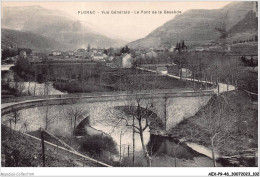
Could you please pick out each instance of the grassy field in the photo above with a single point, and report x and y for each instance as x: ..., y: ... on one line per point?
x: 245, y: 48
x: 108, y: 79
x: 248, y: 80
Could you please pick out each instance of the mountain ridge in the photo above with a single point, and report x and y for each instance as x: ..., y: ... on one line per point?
x: 195, y: 26
x: 56, y: 25
x: 30, y: 40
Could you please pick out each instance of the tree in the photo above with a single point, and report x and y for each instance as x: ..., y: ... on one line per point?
x: 47, y: 77
x: 140, y: 121
x: 106, y: 52
x: 27, y: 50
x: 97, y: 144
x: 8, y: 53
x: 15, y: 117
x: 89, y: 48
x: 48, y: 119
x: 35, y: 81
x: 22, y: 66
x: 125, y: 50
x: 180, y: 46
x: 216, y: 126
x: 183, y: 46
x: 19, y: 87
x: 137, y: 113
x: 28, y: 90
x: 25, y: 126
x: 75, y: 115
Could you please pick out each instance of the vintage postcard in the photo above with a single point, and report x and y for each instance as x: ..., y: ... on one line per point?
x: 129, y: 84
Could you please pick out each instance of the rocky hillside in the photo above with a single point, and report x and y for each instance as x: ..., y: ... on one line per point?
x: 20, y: 151
x: 245, y: 29
x: 57, y: 25
x: 237, y: 113
x: 196, y: 26
x: 28, y: 40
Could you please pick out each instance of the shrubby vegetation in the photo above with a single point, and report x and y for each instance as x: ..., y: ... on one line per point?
x: 227, y: 124
x: 97, y: 144
x: 20, y: 151
x: 13, y: 52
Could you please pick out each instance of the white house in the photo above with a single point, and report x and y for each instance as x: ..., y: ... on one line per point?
x: 110, y: 58
x: 162, y: 70
x: 127, y: 61
x: 199, y: 49
x: 151, y: 54
x: 172, y: 49
x: 56, y: 53
x: 97, y: 57
x: 71, y: 53
x: 185, y: 72
x: 105, y: 56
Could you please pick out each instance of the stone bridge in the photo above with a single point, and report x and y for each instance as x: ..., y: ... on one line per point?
x: 170, y: 106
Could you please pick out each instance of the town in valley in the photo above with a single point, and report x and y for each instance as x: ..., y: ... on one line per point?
x: 184, y: 95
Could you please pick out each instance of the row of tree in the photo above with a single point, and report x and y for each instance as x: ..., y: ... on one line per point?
x: 180, y: 46
x: 248, y: 40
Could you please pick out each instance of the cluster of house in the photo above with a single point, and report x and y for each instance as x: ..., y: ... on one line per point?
x: 183, y: 72
x: 149, y: 53
x: 95, y: 55
x: 87, y: 54
x: 124, y: 61
x: 166, y: 68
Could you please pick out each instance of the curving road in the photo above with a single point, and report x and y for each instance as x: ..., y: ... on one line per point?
x: 222, y: 87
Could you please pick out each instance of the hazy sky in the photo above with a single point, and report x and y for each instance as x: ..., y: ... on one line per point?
x: 126, y: 26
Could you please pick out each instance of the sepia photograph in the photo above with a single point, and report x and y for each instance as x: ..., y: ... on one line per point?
x: 129, y: 84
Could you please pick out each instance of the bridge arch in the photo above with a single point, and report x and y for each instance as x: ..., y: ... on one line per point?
x: 170, y: 107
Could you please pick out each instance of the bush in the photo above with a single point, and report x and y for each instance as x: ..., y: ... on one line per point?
x: 97, y: 144
x: 8, y: 53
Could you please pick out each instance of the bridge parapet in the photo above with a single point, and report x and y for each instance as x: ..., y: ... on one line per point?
x: 167, y: 92
x: 171, y: 107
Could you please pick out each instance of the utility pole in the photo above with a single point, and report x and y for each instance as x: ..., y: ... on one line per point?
x: 165, y: 110
x: 193, y: 80
x: 35, y: 80
x: 120, y: 148
x: 43, y: 149
x: 128, y: 151
x: 10, y: 121
x: 133, y: 142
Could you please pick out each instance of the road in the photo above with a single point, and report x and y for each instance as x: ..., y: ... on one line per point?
x: 6, y: 67
x: 222, y: 87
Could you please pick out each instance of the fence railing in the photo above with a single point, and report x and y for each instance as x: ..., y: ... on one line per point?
x: 73, y: 155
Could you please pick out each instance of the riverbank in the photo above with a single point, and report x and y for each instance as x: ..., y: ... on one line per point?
x: 100, y: 78
x: 13, y: 85
x: 239, y: 115
x: 169, y: 152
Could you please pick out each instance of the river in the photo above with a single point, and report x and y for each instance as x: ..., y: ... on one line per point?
x: 6, y: 67
x: 103, y: 117
x: 166, y: 152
